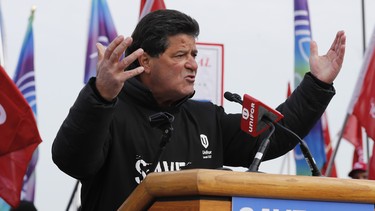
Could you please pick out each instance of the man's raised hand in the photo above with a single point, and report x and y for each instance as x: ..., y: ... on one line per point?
x: 110, y: 74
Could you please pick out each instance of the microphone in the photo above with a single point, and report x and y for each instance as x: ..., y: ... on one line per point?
x: 258, y: 117
x: 233, y: 97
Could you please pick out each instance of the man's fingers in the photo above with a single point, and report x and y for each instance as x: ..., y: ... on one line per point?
x: 341, y: 50
x: 120, y: 49
x: 337, y: 49
x: 112, y: 46
x: 313, y: 48
x: 101, y: 49
x: 339, y: 40
x: 341, y: 46
x: 130, y: 58
x: 335, y: 42
x: 131, y: 73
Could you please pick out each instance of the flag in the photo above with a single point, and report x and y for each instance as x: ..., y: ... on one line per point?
x: 362, y: 106
x: 19, y: 138
x: 315, y: 139
x: 24, y: 79
x: 363, y: 100
x: 102, y: 29
x: 148, y: 6
x: 353, y: 131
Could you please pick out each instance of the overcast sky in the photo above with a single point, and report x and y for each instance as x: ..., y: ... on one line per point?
x: 258, y: 44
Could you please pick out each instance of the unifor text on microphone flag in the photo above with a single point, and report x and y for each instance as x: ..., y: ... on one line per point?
x: 314, y: 139
x: 102, y: 30
x: 148, y: 6
x: 19, y: 138
x: 24, y: 78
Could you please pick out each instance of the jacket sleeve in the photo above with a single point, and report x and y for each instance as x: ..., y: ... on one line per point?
x: 301, y: 111
x: 82, y: 141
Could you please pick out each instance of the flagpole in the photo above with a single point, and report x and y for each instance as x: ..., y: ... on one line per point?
x: 363, y: 26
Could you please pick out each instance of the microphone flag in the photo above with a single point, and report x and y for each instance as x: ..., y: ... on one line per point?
x: 253, y: 112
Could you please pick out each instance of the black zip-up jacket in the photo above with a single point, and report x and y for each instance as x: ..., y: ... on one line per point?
x: 109, y: 146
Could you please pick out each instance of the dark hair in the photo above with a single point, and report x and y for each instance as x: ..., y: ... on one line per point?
x: 153, y: 30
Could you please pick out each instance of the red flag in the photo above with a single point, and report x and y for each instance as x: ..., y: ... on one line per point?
x: 353, y: 131
x: 19, y: 138
x: 362, y: 107
x: 363, y: 100
x: 148, y: 6
x: 327, y: 147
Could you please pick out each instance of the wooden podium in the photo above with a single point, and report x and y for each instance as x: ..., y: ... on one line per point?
x: 203, y: 189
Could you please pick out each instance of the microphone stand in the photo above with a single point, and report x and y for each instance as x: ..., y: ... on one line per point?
x: 306, y: 153
x: 162, y: 121
x: 262, y: 149
x: 309, y: 158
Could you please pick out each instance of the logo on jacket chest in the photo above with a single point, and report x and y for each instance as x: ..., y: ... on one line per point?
x: 206, y: 154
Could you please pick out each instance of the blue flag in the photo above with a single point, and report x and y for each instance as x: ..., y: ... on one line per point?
x: 315, y: 139
x: 101, y: 30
